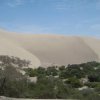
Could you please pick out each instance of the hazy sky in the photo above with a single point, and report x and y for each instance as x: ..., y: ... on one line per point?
x: 75, y: 17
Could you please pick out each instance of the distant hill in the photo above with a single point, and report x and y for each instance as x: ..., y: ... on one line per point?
x: 46, y: 49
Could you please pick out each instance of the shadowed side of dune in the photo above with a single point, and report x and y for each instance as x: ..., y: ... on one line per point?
x: 60, y: 50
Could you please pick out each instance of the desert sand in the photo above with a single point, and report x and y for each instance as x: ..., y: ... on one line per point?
x: 7, y: 98
x: 46, y: 49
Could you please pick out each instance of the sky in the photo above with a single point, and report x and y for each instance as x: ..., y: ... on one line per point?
x: 68, y: 17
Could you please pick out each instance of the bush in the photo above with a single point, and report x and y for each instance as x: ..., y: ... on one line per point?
x: 31, y: 72
x: 74, y: 82
x: 51, y: 71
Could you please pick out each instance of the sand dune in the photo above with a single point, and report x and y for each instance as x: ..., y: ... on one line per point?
x: 45, y: 49
x: 12, y: 48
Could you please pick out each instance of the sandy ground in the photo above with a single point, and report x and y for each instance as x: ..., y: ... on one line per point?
x: 45, y: 49
x: 6, y: 98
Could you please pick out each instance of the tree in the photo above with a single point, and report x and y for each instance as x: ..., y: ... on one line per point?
x: 74, y: 82
x: 13, y: 83
x: 51, y: 71
x: 44, y: 88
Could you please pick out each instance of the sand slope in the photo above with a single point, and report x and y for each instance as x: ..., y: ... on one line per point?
x: 50, y: 49
x: 11, y: 48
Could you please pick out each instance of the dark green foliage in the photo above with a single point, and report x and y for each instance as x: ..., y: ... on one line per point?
x: 12, y: 82
x: 51, y: 71
x: 94, y: 77
x: 41, y: 71
x: 52, y: 82
x: 62, y: 68
x: 63, y: 90
x: 93, y: 84
x: 89, y: 94
x: 30, y: 72
x: 74, y: 82
x: 44, y: 88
